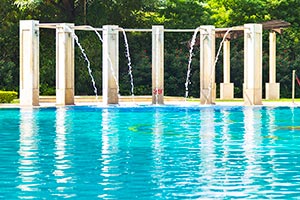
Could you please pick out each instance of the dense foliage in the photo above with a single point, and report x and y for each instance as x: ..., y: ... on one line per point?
x: 7, y: 96
x: 143, y: 14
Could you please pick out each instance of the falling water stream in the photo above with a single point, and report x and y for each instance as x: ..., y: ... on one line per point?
x: 87, y: 61
x: 109, y: 60
x: 190, y: 61
x: 215, y: 63
x: 127, y: 54
x: 187, y: 82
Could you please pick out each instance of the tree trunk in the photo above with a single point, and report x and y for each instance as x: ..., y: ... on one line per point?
x: 69, y: 9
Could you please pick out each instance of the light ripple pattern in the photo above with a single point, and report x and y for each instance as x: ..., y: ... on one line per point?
x: 150, y: 152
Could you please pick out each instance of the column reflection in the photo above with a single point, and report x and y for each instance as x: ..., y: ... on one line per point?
x: 157, y: 149
x: 271, y: 137
x: 226, y: 142
x: 207, y: 150
x: 109, y: 155
x: 105, y: 131
x: 225, y: 134
x: 62, y: 159
x: 28, y: 154
x: 252, y: 140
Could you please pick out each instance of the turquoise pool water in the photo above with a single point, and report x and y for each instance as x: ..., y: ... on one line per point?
x: 149, y: 152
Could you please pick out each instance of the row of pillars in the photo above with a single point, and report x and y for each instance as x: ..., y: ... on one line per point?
x: 252, y: 50
x: 29, y: 65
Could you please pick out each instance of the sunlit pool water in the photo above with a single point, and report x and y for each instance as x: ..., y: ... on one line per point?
x: 148, y: 152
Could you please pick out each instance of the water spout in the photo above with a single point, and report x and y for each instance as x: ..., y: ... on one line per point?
x: 87, y: 61
x: 109, y: 59
x: 187, y: 82
x: 215, y: 63
x: 127, y: 54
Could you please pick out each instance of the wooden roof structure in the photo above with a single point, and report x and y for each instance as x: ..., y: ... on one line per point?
x: 273, y: 25
x: 276, y: 25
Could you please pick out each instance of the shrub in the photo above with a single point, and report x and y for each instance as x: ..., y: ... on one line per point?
x: 7, y: 96
x: 45, y: 89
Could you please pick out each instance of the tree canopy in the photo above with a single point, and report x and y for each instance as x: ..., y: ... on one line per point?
x: 143, y: 14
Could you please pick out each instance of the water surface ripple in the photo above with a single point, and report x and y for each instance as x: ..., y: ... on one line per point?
x: 159, y: 152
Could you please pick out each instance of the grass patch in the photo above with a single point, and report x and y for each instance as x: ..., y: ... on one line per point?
x: 282, y: 100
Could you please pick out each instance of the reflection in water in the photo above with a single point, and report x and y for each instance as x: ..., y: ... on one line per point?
x: 109, y: 150
x: 105, y: 151
x: 252, y: 140
x: 225, y: 134
x: 157, y: 149
x: 105, y: 132
x: 62, y: 162
x: 207, y: 149
x: 158, y: 153
x: 271, y: 123
x: 292, y: 114
x: 28, y: 152
x: 225, y: 138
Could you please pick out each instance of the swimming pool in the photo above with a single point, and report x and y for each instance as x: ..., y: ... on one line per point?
x: 148, y: 152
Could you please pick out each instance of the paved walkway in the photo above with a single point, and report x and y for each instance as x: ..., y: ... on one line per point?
x: 49, y: 101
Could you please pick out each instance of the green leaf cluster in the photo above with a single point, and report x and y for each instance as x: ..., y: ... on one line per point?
x: 7, y: 96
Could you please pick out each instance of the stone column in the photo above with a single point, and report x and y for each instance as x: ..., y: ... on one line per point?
x: 272, y: 88
x: 29, y: 63
x: 110, y: 67
x: 64, y: 64
x: 157, y: 65
x: 207, y: 68
x: 253, y: 64
x: 226, y: 88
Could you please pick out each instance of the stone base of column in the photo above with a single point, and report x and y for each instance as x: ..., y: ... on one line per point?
x: 112, y: 96
x: 272, y: 91
x: 65, y: 97
x: 29, y: 100
x: 158, y: 96
x: 36, y: 97
x: 208, y: 96
x: 158, y: 100
x: 252, y: 97
x: 226, y: 91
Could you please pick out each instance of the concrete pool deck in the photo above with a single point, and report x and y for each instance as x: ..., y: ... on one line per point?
x: 50, y: 101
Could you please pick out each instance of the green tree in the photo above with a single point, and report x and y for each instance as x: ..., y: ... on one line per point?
x: 238, y: 12
x: 9, y: 55
x: 143, y: 14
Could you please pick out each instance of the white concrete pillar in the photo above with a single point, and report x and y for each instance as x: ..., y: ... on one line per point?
x: 110, y: 66
x: 226, y: 88
x: 157, y: 65
x: 272, y: 88
x: 29, y: 63
x: 253, y: 64
x: 64, y: 64
x: 207, y: 59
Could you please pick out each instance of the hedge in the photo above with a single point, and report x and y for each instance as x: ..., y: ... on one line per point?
x: 7, y: 96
